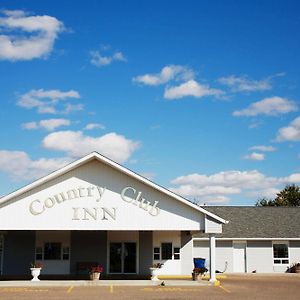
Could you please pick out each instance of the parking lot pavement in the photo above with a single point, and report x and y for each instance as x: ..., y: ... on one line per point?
x: 232, y: 287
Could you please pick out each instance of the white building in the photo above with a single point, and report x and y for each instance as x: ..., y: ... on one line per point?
x: 94, y: 211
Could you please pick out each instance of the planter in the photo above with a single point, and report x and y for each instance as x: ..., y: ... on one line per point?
x: 95, y: 276
x: 154, y: 273
x: 35, y: 272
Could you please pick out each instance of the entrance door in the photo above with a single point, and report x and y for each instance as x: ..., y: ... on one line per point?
x: 239, y: 257
x: 122, y: 257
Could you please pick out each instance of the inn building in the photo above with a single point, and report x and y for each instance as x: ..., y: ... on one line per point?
x: 95, y: 211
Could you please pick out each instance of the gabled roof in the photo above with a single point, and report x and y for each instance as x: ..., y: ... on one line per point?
x: 111, y: 163
x: 258, y: 222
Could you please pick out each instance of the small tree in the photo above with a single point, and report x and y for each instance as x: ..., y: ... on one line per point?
x: 289, y: 196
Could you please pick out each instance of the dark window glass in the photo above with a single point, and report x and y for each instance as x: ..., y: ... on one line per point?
x: 280, y: 251
x: 156, y: 250
x: 166, y: 251
x: 176, y: 253
x: 277, y: 261
x: 156, y: 256
x: 52, y: 251
x: 285, y: 261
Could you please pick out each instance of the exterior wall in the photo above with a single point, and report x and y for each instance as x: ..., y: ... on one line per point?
x: 224, y: 253
x: 88, y: 246
x: 294, y: 252
x: 18, y: 252
x: 145, y: 252
x: 211, y: 226
x: 171, y: 266
x: 54, y: 266
x: 51, y: 207
x: 259, y: 256
x: 186, y: 253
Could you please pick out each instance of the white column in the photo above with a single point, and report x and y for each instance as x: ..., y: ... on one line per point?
x: 212, y: 257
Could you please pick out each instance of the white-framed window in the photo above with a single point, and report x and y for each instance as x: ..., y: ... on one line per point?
x: 280, y: 253
x: 52, y: 251
x: 156, y: 253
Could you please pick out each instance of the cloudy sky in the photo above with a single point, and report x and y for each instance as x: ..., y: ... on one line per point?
x: 201, y: 97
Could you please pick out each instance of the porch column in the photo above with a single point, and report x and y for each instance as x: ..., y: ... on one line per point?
x: 212, y: 257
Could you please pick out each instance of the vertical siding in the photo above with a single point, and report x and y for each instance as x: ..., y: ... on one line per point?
x: 88, y: 246
x: 294, y: 251
x: 201, y: 249
x: 19, y: 251
x: 259, y: 256
x: 186, y: 253
x: 145, y: 252
x: 224, y: 256
x: 211, y: 226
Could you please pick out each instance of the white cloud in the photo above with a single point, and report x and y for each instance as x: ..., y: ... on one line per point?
x: 100, y: 60
x: 190, y: 88
x: 290, y: 133
x: 50, y: 124
x: 50, y: 101
x: 167, y: 73
x: 76, y: 144
x: 255, y: 156
x: 243, y: 83
x: 92, y: 126
x: 27, y: 37
x: 269, y: 106
x: 263, y: 148
x: 21, y: 167
x: 223, y: 184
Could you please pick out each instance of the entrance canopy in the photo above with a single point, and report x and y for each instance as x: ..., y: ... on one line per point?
x: 95, y: 193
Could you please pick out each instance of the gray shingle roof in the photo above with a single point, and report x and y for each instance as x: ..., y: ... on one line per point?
x: 258, y: 222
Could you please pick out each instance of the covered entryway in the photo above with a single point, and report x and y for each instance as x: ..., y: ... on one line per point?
x: 96, y: 211
x: 122, y: 258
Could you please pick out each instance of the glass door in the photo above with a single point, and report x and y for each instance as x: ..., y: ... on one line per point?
x: 129, y: 257
x: 115, y: 258
x: 122, y: 258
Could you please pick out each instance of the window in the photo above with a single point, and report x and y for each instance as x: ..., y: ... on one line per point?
x: 66, y: 253
x: 176, y: 253
x: 52, y: 251
x: 166, y: 251
x: 281, y: 253
x: 156, y: 253
x: 38, y: 253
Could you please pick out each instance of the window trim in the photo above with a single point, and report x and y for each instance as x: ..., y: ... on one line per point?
x: 281, y: 258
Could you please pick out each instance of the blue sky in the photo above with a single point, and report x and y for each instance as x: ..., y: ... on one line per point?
x: 201, y: 97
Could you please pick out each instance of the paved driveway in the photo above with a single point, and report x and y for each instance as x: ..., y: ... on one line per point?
x: 233, y: 287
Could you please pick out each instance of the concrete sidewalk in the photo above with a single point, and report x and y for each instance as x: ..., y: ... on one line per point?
x: 58, y: 283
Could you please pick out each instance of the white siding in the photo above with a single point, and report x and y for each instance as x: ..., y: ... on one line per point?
x: 223, y: 254
x: 259, y: 256
x: 173, y: 215
x: 294, y: 252
x: 212, y: 226
x: 54, y: 266
x: 170, y: 267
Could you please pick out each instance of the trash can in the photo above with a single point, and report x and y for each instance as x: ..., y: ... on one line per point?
x: 199, y: 262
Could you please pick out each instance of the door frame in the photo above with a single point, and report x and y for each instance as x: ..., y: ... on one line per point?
x: 244, y: 243
x: 122, y: 242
